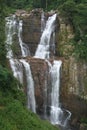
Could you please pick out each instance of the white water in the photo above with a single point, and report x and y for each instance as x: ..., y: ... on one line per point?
x: 56, y: 111
x: 43, y: 50
x: 17, y: 69
x: 53, y: 45
x: 24, y: 48
x: 11, y: 29
x: 48, y: 41
x: 30, y: 86
x: 47, y: 44
x: 14, y: 27
x: 43, y: 24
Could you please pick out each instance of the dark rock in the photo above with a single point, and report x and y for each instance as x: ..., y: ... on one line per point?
x: 40, y: 72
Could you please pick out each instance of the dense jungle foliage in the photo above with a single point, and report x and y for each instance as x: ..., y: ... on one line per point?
x: 13, y: 112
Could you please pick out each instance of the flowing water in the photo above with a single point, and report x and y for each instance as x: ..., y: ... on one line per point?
x: 56, y: 111
x: 42, y: 21
x: 30, y: 86
x: 45, y: 50
x: 24, y: 48
x: 14, y: 27
x: 11, y: 29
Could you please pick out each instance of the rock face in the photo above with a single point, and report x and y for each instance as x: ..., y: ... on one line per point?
x: 74, y: 87
x: 32, y: 30
x: 74, y: 75
x: 40, y: 73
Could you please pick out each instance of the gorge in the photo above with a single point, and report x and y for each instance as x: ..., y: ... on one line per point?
x: 38, y: 67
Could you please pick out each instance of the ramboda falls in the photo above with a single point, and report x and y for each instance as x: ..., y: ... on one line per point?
x: 33, y: 43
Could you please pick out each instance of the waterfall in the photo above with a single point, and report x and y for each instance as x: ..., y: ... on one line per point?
x: 30, y: 86
x: 42, y: 21
x: 56, y: 111
x: 24, y: 48
x: 11, y: 29
x: 48, y: 41
x: 17, y: 69
x: 43, y: 50
x: 15, y: 27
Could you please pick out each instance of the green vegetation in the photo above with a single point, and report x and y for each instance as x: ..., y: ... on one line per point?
x: 2, y: 34
x: 76, y: 13
x: 84, y: 123
x: 16, y: 117
x: 13, y: 112
x: 9, y: 88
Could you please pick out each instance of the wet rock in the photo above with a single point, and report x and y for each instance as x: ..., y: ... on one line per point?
x: 40, y: 73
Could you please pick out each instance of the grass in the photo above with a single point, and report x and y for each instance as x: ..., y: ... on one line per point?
x: 16, y: 117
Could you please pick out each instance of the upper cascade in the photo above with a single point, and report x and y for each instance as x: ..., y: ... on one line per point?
x: 11, y: 26
x: 11, y: 29
x: 43, y: 49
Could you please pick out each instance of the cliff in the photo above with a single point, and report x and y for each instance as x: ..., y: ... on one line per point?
x: 74, y: 75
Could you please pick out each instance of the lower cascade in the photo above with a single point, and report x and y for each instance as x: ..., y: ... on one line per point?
x: 30, y: 86
x: 56, y: 115
x: 56, y: 112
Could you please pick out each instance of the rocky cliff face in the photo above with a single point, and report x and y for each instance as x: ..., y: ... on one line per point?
x: 32, y: 30
x: 74, y: 86
x: 74, y: 75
